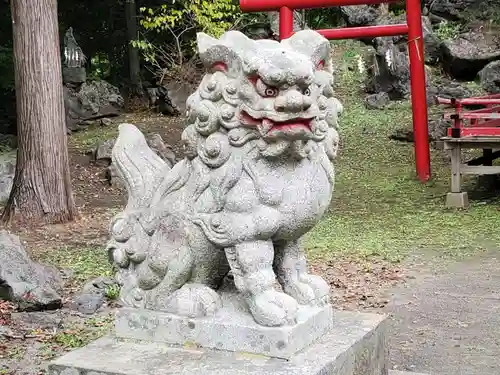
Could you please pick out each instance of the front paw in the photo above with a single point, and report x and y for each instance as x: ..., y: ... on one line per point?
x: 309, y: 290
x: 272, y: 308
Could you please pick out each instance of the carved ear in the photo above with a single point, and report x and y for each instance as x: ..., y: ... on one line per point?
x: 216, y: 56
x: 311, y: 44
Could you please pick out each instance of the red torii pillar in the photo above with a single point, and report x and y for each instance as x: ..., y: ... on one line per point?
x: 412, y: 27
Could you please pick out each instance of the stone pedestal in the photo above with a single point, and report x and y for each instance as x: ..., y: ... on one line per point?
x: 232, y: 328
x: 355, y: 345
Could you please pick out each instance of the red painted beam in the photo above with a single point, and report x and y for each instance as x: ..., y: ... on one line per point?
x: 270, y: 5
x: 469, y: 101
x: 364, y: 32
x: 477, y: 132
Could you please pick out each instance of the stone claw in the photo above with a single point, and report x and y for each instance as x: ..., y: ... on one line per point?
x: 272, y: 308
x: 309, y: 290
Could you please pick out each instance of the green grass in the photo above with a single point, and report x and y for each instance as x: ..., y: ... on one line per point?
x: 84, y: 262
x: 379, y: 208
x: 92, y: 136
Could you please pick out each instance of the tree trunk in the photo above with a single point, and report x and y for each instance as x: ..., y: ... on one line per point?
x: 133, y: 52
x: 42, y: 183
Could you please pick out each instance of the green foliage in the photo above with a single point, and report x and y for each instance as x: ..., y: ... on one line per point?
x: 448, y: 30
x: 212, y: 17
x: 112, y: 292
x: 326, y: 18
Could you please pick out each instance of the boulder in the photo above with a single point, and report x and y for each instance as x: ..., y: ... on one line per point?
x: 377, y: 101
x: 445, y: 88
x: 100, y: 97
x: 93, y: 295
x: 7, y: 171
x: 389, y: 70
x: 464, y: 57
x: 91, y: 101
x: 32, y: 286
x: 489, y: 77
x: 160, y: 101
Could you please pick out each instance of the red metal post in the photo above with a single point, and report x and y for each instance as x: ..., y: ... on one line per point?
x: 418, y: 95
x: 286, y: 22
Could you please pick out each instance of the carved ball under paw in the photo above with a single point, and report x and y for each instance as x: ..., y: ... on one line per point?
x: 193, y: 301
x: 272, y: 308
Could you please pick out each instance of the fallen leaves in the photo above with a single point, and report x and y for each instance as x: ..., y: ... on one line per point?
x: 359, y: 285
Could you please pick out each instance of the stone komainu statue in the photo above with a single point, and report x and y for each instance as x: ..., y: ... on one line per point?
x: 257, y: 176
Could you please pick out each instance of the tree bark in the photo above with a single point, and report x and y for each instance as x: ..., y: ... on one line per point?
x: 42, y: 182
x: 133, y: 52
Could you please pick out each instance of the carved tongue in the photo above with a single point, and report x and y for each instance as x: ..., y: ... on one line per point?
x: 266, y: 125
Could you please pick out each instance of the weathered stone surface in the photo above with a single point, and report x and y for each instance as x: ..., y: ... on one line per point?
x: 355, y: 346
x: 93, y: 295
x: 389, y: 69
x: 466, y: 55
x: 256, y: 177
x: 231, y: 328
x: 100, y: 97
x: 489, y: 77
x: 159, y: 100
x: 31, y: 285
x: 74, y: 75
x: 377, y: 101
x: 7, y: 171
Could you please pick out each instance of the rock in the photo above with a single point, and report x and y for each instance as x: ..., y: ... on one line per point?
x: 100, y: 97
x: 489, y: 77
x: 31, y: 285
x: 360, y: 15
x: 37, y: 319
x: 447, y: 89
x: 93, y: 295
x: 103, y: 150
x: 159, y: 100
x: 438, y: 128
x: 74, y: 74
x: 7, y: 171
x: 465, y: 56
x: 377, y: 101
x: 389, y: 69
x: 105, y: 122
x: 87, y: 303
x: 99, y: 285
x: 452, y: 10
x: 299, y: 22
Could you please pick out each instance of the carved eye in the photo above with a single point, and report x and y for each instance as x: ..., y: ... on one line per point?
x: 307, y: 92
x: 265, y: 90
x: 271, y: 92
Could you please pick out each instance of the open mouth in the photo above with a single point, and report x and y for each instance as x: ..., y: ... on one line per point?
x: 267, y: 126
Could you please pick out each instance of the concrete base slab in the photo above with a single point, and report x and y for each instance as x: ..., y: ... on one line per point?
x: 356, y: 345
x: 232, y: 328
x: 457, y: 200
